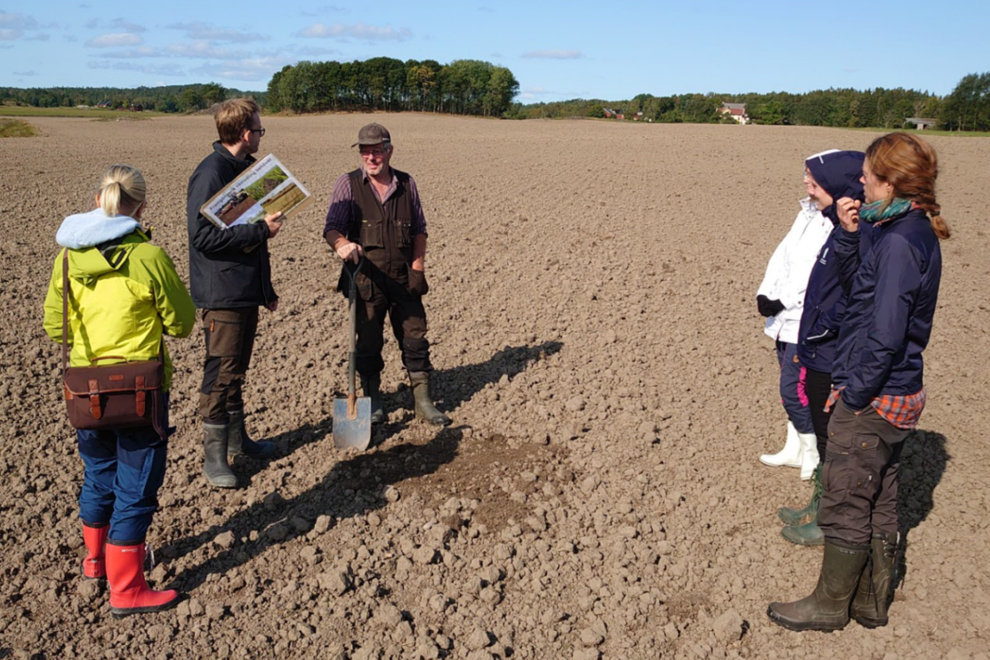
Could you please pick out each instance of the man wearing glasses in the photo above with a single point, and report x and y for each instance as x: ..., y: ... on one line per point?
x: 375, y: 215
x: 229, y: 278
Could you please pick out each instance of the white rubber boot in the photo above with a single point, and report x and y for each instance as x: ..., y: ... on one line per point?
x: 809, y: 454
x: 790, y: 455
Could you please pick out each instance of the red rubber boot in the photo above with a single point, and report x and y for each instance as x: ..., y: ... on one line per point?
x: 129, y: 593
x: 94, y: 565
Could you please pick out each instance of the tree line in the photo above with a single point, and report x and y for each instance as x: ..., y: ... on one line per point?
x: 172, y: 98
x: 967, y: 108
x: 469, y: 87
x: 479, y: 88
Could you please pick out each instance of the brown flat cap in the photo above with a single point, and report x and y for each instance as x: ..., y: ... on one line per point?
x: 373, y: 134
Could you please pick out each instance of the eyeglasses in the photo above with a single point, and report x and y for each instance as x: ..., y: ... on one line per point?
x: 373, y: 153
x: 259, y: 131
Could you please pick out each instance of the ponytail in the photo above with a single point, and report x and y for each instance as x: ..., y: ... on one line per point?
x: 122, y: 190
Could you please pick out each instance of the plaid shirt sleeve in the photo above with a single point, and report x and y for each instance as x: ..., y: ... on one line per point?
x: 901, y: 410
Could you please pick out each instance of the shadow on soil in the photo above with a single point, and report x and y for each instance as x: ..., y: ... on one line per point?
x: 923, y: 462
x: 354, y: 486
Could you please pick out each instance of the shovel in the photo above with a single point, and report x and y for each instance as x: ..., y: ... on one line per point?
x: 352, y: 416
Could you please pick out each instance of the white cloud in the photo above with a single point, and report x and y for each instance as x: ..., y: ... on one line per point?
x: 12, y: 26
x: 127, y: 65
x: 126, y: 26
x: 258, y: 69
x: 206, y: 50
x: 201, y: 31
x: 553, y: 54
x: 140, y: 51
x: 17, y: 21
x: 114, y: 40
x: 357, y: 31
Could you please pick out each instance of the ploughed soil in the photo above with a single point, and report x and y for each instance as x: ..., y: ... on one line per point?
x: 596, y: 341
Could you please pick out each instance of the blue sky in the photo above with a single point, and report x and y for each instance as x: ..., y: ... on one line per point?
x: 557, y: 50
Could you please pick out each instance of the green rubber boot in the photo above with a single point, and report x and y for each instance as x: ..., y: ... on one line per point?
x: 873, y: 596
x: 425, y: 409
x: 215, y: 466
x: 371, y: 386
x: 807, y: 534
x: 827, y: 608
x: 239, y: 442
x: 790, y: 516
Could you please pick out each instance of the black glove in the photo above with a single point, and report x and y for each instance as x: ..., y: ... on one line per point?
x: 417, y: 282
x: 768, y: 307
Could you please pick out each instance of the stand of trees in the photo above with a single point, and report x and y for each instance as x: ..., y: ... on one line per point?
x: 173, y: 98
x: 967, y: 108
x: 470, y: 87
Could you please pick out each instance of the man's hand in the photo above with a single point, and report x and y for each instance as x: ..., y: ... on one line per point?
x: 848, y: 211
x: 272, y: 306
x: 274, y: 222
x: 350, y: 252
x: 417, y: 282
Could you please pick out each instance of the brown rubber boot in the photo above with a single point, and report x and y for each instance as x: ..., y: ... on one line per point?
x: 827, y: 608
x: 873, y: 596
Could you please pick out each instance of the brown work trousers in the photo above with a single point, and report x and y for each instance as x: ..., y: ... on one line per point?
x: 229, y: 335
x: 860, y: 476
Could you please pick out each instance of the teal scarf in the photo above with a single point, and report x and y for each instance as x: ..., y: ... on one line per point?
x: 883, y: 209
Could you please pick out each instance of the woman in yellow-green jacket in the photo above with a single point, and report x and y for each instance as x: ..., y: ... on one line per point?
x: 124, y: 294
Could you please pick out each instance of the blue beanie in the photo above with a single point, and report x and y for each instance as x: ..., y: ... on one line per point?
x: 838, y: 172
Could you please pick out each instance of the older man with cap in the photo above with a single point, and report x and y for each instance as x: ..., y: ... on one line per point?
x: 375, y: 215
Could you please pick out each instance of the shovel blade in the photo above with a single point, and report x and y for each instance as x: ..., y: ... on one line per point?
x: 352, y: 430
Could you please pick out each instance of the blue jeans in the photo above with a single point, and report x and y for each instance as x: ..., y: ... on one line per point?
x: 124, y: 468
x: 792, y: 392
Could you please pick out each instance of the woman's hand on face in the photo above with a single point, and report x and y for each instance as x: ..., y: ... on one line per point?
x: 848, y: 211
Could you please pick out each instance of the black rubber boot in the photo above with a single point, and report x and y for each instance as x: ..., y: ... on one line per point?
x: 239, y: 442
x: 873, y: 596
x: 371, y: 387
x: 423, y: 403
x: 215, y: 467
x: 790, y: 516
x: 827, y: 608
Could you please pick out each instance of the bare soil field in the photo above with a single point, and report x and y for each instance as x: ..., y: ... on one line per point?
x: 594, y: 327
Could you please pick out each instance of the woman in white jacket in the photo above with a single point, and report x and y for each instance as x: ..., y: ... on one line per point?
x: 780, y: 298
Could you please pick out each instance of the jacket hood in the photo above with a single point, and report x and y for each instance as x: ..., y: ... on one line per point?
x: 838, y: 172
x: 84, y: 230
x: 88, y: 264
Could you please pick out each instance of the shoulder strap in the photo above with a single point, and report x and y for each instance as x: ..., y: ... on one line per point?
x: 65, y: 309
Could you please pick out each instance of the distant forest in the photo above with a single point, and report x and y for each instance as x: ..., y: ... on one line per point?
x: 967, y: 108
x: 474, y: 87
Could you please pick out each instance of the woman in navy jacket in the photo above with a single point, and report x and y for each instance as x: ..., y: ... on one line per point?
x: 878, y: 377
x: 833, y: 175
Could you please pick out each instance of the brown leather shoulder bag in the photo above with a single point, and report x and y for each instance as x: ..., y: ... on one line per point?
x: 115, y: 396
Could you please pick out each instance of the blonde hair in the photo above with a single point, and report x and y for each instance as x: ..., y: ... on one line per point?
x: 233, y: 117
x: 910, y: 165
x: 122, y: 190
